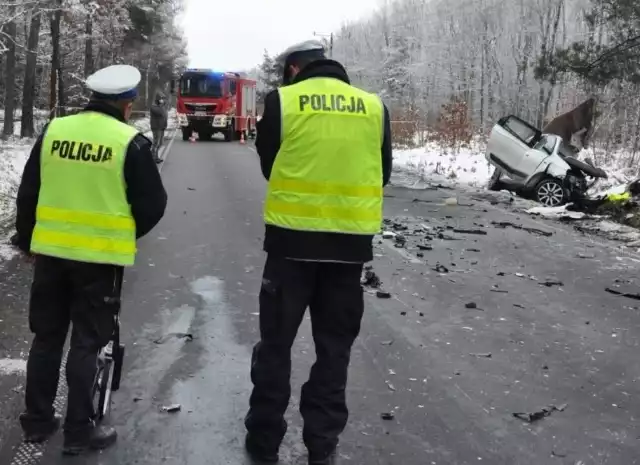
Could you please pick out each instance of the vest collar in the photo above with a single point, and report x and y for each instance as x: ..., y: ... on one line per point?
x: 323, y: 68
x: 106, y: 109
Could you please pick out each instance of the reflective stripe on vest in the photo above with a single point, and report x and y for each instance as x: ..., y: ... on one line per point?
x: 83, y: 213
x: 327, y: 176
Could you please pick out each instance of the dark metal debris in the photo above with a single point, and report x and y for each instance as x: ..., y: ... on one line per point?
x: 471, y: 305
x: 518, y: 305
x: 371, y: 279
x: 624, y: 288
x: 487, y: 355
x: 479, y: 232
x: 383, y: 295
x: 551, y: 283
x: 540, y: 414
x: 425, y: 247
x: 186, y: 336
x: 441, y: 268
x: 507, y: 224
x: 387, y: 416
x: 172, y: 408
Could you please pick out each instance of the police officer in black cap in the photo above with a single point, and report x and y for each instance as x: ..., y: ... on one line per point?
x: 325, y: 148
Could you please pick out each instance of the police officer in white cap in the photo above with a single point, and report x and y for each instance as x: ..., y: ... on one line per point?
x: 89, y: 189
x: 325, y: 148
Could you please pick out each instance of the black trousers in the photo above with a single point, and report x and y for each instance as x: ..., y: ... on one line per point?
x: 333, y: 294
x: 63, y: 292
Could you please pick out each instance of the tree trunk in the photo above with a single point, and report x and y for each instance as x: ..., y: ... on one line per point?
x: 88, y: 46
x: 28, y: 91
x: 10, y: 30
x: 56, y: 79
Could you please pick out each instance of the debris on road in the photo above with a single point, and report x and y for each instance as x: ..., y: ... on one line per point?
x: 624, y: 288
x: 441, y: 268
x: 551, y: 283
x: 387, y: 416
x: 471, y: 305
x: 388, y: 235
x: 518, y: 305
x: 387, y: 343
x: 383, y: 295
x: 400, y: 241
x: 501, y: 291
x: 172, y: 408
x: 186, y: 336
x: 391, y: 386
x: 371, y: 279
x: 478, y: 232
x: 540, y: 414
x: 482, y: 355
x: 586, y: 255
x: 425, y: 247
x: 509, y: 224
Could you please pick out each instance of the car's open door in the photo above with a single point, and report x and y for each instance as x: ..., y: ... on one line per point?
x: 510, y: 140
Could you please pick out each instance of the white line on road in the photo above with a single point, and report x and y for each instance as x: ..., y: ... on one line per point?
x: 167, y: 150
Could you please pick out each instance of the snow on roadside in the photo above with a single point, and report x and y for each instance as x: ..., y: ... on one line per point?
x: 466, y: 166
x: 13, y: 156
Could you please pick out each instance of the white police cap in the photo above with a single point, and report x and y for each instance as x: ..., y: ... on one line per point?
x: 116, y: 82
x: 306, y: 46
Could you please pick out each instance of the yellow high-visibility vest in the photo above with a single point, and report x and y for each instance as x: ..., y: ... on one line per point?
x: 83, y: 213
x: 327, y: 175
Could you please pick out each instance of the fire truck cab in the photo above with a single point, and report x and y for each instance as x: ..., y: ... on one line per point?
x: 210, y: 102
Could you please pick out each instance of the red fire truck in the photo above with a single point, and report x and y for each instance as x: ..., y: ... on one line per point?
x: 210, y: 102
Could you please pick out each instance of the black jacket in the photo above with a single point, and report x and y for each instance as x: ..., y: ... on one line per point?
x: 313, y: 245
x: 145, y: 192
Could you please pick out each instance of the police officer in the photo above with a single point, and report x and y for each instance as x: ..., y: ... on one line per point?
x: 89, y: 189
x: 325, y: 148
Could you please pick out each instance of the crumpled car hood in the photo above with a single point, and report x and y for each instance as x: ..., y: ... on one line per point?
x: 585, y: 168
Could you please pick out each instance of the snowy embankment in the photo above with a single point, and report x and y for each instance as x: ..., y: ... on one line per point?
x: 468, y: 167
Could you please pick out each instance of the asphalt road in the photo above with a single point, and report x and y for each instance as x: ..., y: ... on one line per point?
x: 451, y: 376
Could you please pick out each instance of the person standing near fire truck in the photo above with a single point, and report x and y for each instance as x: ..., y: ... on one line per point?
x: 89, y: 189
x: 325, y: 148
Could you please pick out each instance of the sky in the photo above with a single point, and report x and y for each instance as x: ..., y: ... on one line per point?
x: 232, y: 35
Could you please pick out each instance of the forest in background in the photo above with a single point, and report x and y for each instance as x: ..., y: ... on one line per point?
x: 48, y: 48
x: 452, y: 68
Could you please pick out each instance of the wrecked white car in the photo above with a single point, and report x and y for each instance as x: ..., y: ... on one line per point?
x: 537, y: 165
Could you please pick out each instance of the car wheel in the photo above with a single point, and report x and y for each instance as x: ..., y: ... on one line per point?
x: 551, y: 193
x: 494, y: 180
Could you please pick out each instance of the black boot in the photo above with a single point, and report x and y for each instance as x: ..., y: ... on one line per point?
x: 259, y: 455
x: 37, y: 431
x: 331, y: 459
x: 97, y: 438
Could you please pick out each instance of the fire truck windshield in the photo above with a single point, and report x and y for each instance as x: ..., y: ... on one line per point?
x: 200, y: 85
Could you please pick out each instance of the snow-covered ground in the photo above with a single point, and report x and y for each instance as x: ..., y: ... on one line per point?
x: 466, y: 166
